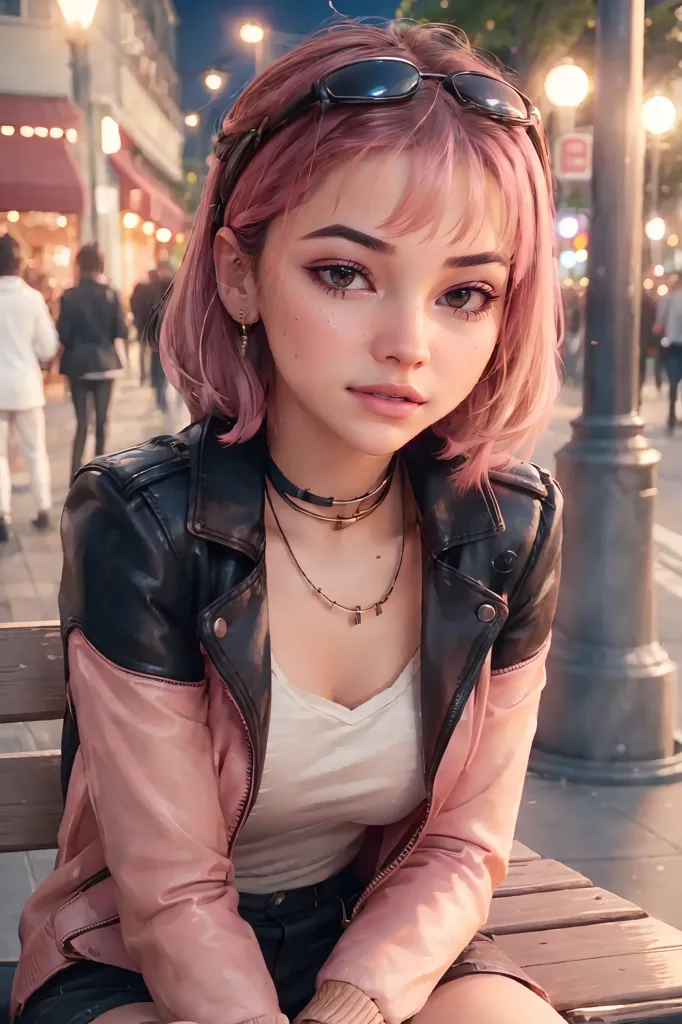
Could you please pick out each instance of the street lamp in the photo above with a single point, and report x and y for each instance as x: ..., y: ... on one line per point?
x: 214, y: 81
x: 655, y: 229
x: 78, y: 16
x: 253, y: 34
x: 192, y: 120
x: 567, y: 85
x: 608, y: 712
x: 658, y: 117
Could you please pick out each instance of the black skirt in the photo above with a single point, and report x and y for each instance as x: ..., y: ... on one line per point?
x: 296, y: 930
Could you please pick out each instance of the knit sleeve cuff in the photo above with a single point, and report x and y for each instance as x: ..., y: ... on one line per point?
x: 337, y: 1002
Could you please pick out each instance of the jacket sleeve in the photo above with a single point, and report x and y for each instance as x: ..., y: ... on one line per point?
x: 45, y: 340
x: 65, y: 321
x: 136, y: 686
x: 414, y: 926
x: 120, y: 325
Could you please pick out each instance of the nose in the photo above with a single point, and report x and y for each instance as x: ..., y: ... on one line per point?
x: 403, y: 336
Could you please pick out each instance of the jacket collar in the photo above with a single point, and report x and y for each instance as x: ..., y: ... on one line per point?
x: 227, y: 492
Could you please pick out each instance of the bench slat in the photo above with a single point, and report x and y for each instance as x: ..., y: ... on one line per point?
x: 31, y: 672
x: 540, y: 876
x: 591, y: 942
x: 668, y: 1011
x: 521, y: 853
x: 564, y: 908
x: 30, y: 800
x: 613, y: 980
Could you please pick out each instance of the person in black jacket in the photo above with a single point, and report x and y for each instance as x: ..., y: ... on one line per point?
x: 90, y: 321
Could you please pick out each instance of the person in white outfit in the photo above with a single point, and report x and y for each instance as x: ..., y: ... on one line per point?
x: 28, y: 337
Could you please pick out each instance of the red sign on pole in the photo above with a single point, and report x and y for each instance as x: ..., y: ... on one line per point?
x: 573, y: 157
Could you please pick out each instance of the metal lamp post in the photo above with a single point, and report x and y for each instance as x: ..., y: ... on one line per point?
x: 253, y: 34
x: 608, y: 714
x: 78, y: 16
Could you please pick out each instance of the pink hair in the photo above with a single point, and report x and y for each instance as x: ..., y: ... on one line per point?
x: 200, y: 344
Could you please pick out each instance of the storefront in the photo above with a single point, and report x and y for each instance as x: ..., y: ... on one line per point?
x: 153, y: 224
x: 42, y: 193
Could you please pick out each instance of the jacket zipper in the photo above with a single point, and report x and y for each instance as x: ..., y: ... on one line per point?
x: 459, y: 702
x: 247, y: 800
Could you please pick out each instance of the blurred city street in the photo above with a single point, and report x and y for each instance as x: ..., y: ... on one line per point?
x: 627, y: 839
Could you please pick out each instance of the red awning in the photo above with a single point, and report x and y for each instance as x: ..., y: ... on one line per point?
x: 145, y: 195
x: 40, y: 174
x: 38, y: 111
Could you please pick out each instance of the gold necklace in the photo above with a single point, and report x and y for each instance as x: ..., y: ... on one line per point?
x: 357, y: 611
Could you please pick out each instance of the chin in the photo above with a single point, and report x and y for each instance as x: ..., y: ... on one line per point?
x: 379, y: 440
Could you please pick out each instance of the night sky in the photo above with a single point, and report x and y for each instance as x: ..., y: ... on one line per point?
x: 207, y: 30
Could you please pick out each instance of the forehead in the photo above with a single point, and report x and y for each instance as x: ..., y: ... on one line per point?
x: 374, y: 195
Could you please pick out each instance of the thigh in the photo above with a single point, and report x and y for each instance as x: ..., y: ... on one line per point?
x: 486, y: 999
x: 84, y: 992
x: 102, y: 392
x: 31, y: 429
x: 79, y: 397
x: 4, y: 433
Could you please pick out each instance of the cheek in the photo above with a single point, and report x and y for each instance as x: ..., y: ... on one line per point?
x: 463, y: 356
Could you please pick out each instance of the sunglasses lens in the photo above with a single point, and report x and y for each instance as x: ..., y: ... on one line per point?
x: 491, y: 95
x: 379, y: 79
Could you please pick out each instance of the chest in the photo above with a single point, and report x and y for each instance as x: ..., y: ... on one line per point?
x: 319, y: 648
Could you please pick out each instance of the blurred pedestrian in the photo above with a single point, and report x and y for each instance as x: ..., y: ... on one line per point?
x: 27, y: 339
x: 649, y: 341
x: 142, y: 301
x: 164, y: 277
x: 669, y: 326
x: 90, y: 323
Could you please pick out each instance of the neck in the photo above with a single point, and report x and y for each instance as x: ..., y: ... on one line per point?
x: 311, y: 456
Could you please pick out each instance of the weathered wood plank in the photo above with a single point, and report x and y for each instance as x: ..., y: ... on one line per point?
x: 612, y: 980
x: 31, y: 672
x: 661, y: 1011
x: 590, y: 942
x: 521, y: 853
x: 565, y: 908
x: 30, y: 800
x: 540, y: 876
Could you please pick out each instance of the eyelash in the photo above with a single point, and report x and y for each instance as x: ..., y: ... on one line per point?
x: 489, y: 294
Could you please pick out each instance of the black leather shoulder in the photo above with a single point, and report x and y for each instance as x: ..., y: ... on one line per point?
x: 527, y: 478
x: 134, y: 468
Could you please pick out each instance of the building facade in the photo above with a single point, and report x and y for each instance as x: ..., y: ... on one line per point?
x: 120, y: 166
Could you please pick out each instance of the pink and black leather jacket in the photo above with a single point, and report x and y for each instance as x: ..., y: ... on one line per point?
x: 165, y: 622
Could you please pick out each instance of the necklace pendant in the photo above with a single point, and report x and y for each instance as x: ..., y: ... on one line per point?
x: 357, y: 617
x: 378, y: 610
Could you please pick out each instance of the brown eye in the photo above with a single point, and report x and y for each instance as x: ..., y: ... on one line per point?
x: 341, y: 277
x: 470, y: 299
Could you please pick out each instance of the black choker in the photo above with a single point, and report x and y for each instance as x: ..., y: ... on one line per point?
x: 290, y: 493
x: 284, y: 486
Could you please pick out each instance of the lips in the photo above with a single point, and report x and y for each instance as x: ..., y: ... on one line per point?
x: 392, y: 392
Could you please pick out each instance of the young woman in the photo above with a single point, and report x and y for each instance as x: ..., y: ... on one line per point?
x: 306, y: 637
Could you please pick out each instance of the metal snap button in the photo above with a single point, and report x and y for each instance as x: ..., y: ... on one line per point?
x: 220, y: 628
x: 504, y: 562
x: 198, y: 526
x: 486, y: 613
x: 279, y: 898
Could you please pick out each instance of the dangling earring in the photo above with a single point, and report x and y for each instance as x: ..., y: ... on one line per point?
x: 244, y: 331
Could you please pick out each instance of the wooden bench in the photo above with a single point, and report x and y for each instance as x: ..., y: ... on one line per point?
x: 601, y: 958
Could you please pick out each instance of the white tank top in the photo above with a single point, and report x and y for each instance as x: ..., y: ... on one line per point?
x: 329, y: 773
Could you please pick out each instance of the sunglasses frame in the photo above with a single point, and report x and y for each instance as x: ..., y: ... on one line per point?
x: 237, y: 152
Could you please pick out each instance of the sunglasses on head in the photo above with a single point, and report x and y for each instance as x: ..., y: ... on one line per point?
x: 381, y: 80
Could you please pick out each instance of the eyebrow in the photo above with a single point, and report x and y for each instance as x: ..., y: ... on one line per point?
x: 388, y: 249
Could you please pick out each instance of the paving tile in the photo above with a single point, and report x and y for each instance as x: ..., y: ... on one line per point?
x: 45, y: 735
x: 23, y: 589
x: 15, y: 738
x: 569, y: 821
x: 15, y: 889
x: 27, y: 610
x: 40, y: 865
x: 659, y: 808
x: 653, y: 883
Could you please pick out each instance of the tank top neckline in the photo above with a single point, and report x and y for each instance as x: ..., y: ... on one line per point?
x: 362, y: 712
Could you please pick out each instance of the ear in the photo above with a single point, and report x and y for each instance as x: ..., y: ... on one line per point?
x: 236, y: 281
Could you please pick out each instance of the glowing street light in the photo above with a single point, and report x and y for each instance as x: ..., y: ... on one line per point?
x: 567, y: 85
x: 78, y: 17
x: 78, y: 14
x: 659, y: 115
x: 214, y: 81
x: 655, y: 229
x: 192, y: 120
x: 253, y: 34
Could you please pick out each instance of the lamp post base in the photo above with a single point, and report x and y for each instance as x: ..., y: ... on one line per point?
x: 608, y: 773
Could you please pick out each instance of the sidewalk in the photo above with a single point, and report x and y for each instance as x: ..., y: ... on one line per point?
x: 628, y: 840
